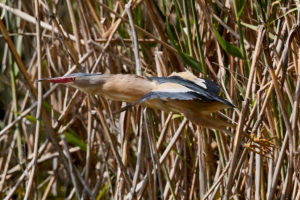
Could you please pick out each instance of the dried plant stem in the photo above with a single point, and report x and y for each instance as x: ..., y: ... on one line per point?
x: 113, y: 148
x: 39, y: 104
x: 134, y: 40
x: 66, y: 144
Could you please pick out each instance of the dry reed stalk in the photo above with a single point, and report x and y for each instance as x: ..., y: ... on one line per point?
x: 61, y: 143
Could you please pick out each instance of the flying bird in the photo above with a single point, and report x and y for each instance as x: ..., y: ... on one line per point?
x: 182, y: 92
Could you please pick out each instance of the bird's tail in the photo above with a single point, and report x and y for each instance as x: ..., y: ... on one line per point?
x: 207, y: 121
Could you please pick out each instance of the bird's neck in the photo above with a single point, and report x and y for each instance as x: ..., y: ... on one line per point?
x: 129, y: 88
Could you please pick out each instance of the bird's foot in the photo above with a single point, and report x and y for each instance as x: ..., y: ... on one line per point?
x: 259, y: 145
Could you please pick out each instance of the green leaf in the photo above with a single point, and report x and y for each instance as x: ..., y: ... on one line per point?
x: 169, y: 181
x: 1, y: 125
x: 170, y: 34
x: 73, y: 139
x: 190, y: 61
x: 243, y: 3
x: 174, y: 116
x: 187, y: 59
x: 102, y: 191
x: 255, y: 28
x: 227, y: 46
x: 47, y: 107
x: 240, y: 87
x: 32, y: 119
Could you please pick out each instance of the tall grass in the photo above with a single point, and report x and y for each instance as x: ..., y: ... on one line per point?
x: 72, y: 145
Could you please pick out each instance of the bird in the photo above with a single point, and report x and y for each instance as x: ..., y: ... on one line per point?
x: 181, y: 92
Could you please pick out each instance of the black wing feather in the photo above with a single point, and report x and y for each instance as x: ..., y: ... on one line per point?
x: 212, y: 87
x: 209, y: 94
x: 171, y: 95
x: 166, y: 95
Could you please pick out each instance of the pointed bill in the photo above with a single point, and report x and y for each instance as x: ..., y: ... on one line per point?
x: 58, y: 79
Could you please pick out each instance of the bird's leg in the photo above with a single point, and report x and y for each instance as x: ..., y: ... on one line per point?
x: 130, y: 105
x: 257, y: 142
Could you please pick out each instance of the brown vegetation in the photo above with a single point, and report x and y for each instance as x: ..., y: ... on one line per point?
x: 72, y: 145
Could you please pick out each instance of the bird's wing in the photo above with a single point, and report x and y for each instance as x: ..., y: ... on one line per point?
x: 198, y: 84
x: 168, y: 91
x: 203, y: 83
x: 208, y: 90
x: 182, y: 86
x: 170, y: 95
x: 187, y: 96
x: 174, y: 91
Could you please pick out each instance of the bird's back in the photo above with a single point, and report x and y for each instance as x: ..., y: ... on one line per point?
x: 186, y: 88
x: 183, y: 92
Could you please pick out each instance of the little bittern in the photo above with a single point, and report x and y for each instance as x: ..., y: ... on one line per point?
x: 180, y: 92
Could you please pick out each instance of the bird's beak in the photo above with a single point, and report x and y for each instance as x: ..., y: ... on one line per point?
x: 58, y: 79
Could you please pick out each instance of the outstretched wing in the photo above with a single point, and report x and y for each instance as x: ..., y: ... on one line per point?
x: 183, y: 88
x: 208, y: 90
x: 165, y: 96
x: 170, y: 95
x: 195, y: 84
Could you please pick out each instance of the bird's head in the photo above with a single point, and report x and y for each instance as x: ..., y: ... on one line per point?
x: 82, y: 81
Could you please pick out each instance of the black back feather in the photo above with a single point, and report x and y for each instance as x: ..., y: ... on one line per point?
x: 207, y: 94
x: 212, y: 87
x: 171, y: 95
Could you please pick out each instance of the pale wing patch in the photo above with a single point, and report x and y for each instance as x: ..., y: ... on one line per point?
x: 201, y: 82
x: 189, y: 76
x: 172, y: 87
x: 185, y: 75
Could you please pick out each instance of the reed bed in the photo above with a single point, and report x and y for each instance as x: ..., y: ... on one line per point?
x: 56, y: 142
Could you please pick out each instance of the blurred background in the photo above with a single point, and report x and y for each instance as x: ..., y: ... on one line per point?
x: 71, y: 145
